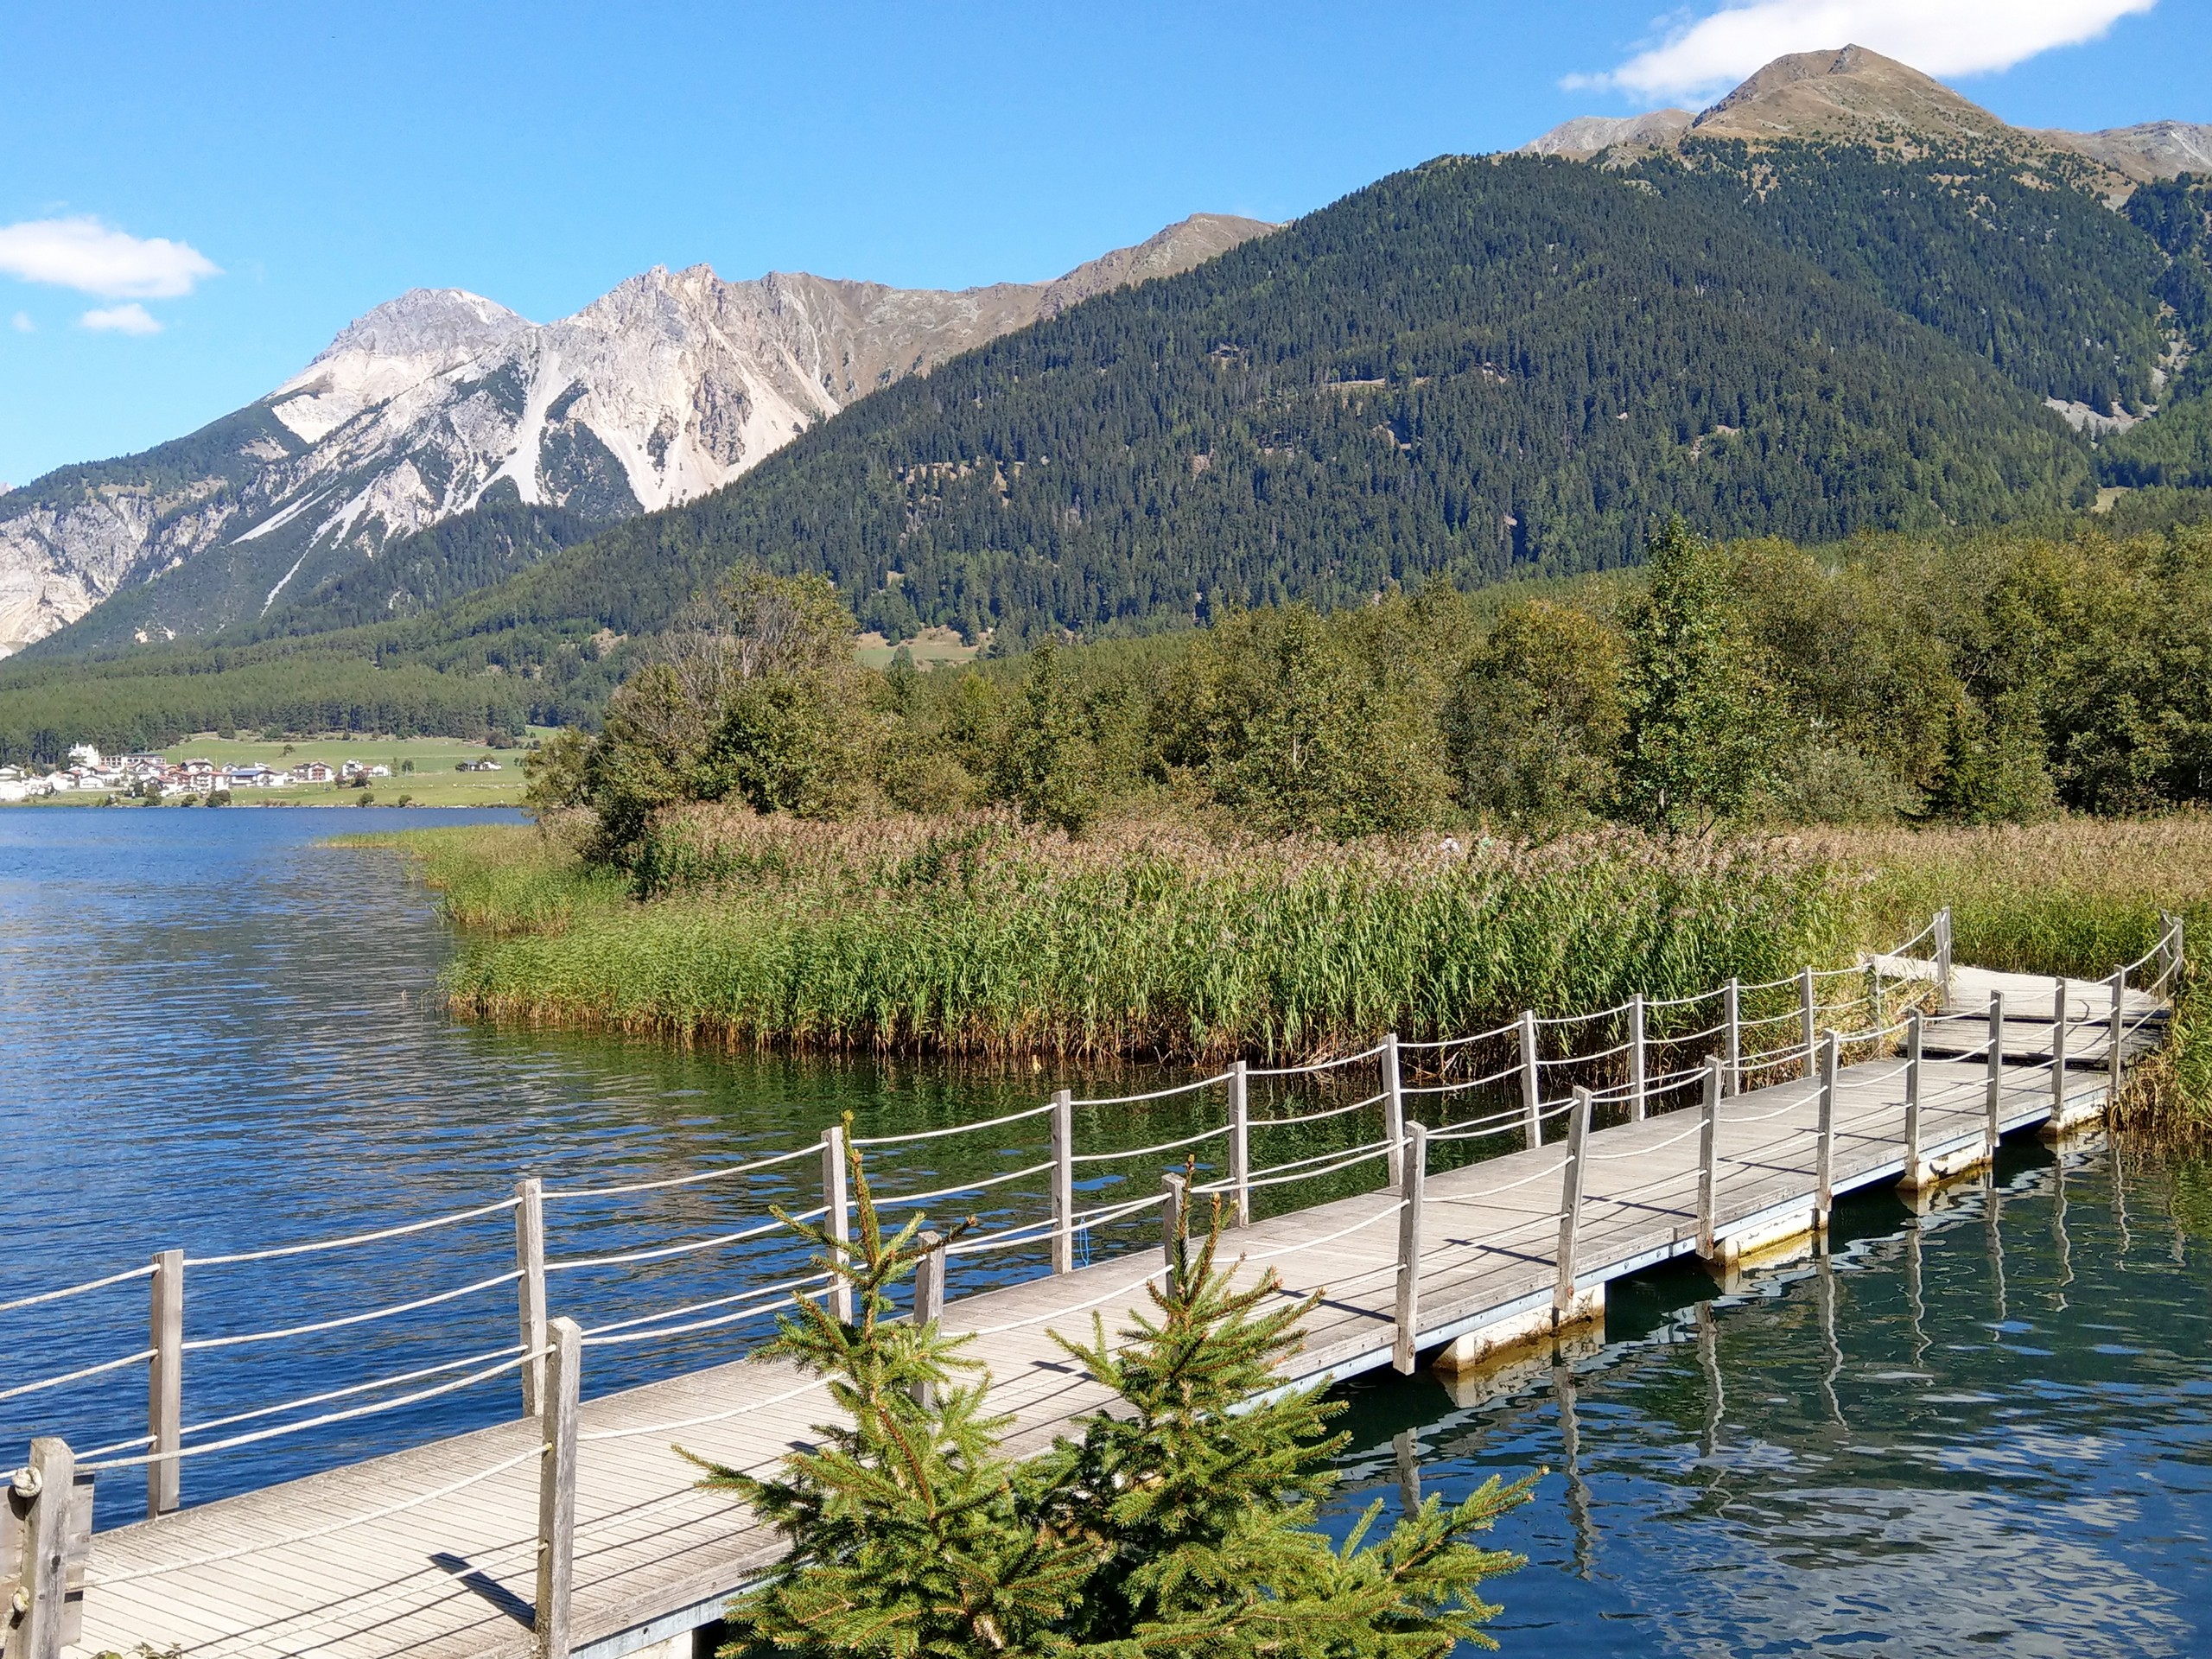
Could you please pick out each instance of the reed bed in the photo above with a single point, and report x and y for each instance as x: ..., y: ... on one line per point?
x: 979, y: 937
x: 2077, y: 896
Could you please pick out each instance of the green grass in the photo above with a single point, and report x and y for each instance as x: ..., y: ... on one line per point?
x: 977, y: 937
x: 433, y: 783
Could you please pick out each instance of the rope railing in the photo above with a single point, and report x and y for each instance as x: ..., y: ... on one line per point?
x: 350, y: 1240
x: 1314, y: 1067
x: 957, y: 1128
x: 1316, y: 1117
x: 692, y: 1179
x: 1156, y: 1094
x: 1149, y: 1152
x: 78, y: 1375
x: 124, y: 1277
x: 198, y: 1345
x: 662, y: 1252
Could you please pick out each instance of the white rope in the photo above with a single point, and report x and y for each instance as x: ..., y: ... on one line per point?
x: 513, y: 1349
x: 1684, y: 1001
x: 1645, y: 1152
x: 605, y: 1434
x: 108, y: 1581
x: 1297, y: 1170
x: 326, y: 1419
x: 659, y: 1331
x: 77, y: 1290
x: 957, y: 1128
x: 1160, y: 1094
x: 702, y: 1308
x: 200, y: 1343
x: 1803, y: 1101
x: 1150, y: 1152
x: 677, y: 1180
x: 912, y: 1199
x: 1485, y: 1081
x: 1328, y: 1238
x: 1493, y: 1192
x: 1313, y: 1067
x: 1071, y: 1307
x: 661, y: 1251
x: 1585, y: 1059
x: 351, y: 1239
x: 1315, y: 1117
x: 1453, y: 1042
x: 1577, y: 1018
x: 138, y: 1359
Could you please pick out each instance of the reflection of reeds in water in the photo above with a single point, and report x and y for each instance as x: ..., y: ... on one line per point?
x: 979, y: 937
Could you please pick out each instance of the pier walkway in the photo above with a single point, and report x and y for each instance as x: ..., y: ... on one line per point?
x: 580, y: 1531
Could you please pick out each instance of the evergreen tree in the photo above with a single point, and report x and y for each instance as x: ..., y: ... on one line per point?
x: 1175, y: 1525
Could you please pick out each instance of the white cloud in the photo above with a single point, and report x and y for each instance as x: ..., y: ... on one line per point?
x: 23, y: 323
x: 132, y: 319
x: 95, y: 258
x: 1940, y: 37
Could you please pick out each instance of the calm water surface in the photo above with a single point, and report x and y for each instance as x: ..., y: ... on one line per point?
x: 1985, y: 1429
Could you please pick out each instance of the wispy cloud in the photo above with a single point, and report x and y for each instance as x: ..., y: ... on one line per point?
x: 132, y: 319
x: 95, y: 258
x: 1941, y: 37
x: 23, y: 323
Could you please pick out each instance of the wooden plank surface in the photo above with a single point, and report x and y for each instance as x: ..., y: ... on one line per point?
x: 439, y: 1557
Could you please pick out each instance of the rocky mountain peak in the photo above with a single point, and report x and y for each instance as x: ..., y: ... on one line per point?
x: 428, y: 321
x: 1849, y: 93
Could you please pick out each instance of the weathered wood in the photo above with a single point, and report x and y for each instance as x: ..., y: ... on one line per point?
x: 530, y: 1289
x: 1063, y: 1118
x: 1174, y: 1207
x: 929, y: 1293
x: 1412, y: 1180
x: 1240, y: 1143
x: 2115, y: 1048
x: 1570, y: 1203
x: 550, y: 1627
x: 1996, y: 1089
x: 1824, y: 1152
x: 1636, y: 1057
x: 837, y: 1219
x: 1394, y: 1108
x: 1532, y: 1086
x: 1944, y: 953
x: 1912, y: 1063
x: 1733, y: 1019
x: 1808, y: 1011
x: 2061, y: 1015
x: 1707, y: 1147
x: 42, y: 1499
x: 165, y: 1384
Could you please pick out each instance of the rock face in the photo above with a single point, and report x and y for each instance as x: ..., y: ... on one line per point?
x: 1862, y: 97
x: 667, y: 387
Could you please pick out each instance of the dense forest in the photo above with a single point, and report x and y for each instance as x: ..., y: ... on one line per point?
x: 1997, y: 678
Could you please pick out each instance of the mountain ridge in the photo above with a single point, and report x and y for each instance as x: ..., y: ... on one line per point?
x: 1854, y: 93
x: 666, y: 387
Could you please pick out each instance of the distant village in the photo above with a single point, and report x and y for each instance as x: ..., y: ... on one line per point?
x: 155, y: 777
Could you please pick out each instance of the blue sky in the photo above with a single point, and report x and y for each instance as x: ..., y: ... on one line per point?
x: 209, y: 192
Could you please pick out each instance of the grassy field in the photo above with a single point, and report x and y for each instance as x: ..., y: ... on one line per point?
x: 931, y: 648
x: 433, y: 782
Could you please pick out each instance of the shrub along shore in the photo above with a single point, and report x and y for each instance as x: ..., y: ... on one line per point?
x: 1147, y: 940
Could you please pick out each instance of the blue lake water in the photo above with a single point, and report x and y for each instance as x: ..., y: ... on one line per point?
x: 1982, y: 1429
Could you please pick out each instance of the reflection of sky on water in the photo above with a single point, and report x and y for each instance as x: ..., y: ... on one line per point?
x: 1863, y: 1458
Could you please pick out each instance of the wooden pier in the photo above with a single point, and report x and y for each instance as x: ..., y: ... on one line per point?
x: 457, y: 1548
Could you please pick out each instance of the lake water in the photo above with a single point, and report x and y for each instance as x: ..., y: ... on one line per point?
x: 1984, y: 1428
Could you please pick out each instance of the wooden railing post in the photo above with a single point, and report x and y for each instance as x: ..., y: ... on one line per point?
x: 1064, y: 1181
x: 1824, y: 1191
x: 1413, y: 1179
x: 836, y: 1218
x: 1707, y: 1158
x: 556, y: 1491
x: 1734, y: 1013
x: 1532, y: 1086
x: 2115, y: 1061
x: 1943, y: 956
x: 1570, y: 1203
x: 1808, y: 1022
x: 1995, y: 1100
x: 2058, y: 1022
x: 1240, y: 1142
x: 44, y: 1535
x: 1393, y: 1109
x: 1176, y: 1199
x: 165, y: 1385
x: 1636, y: 1070
x: 530, y: 1289
x: 1912, y: 1034
x: 929, y: 1295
